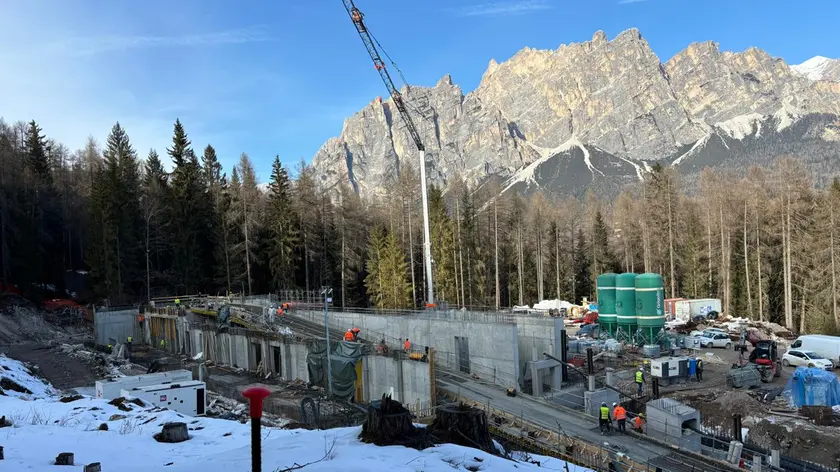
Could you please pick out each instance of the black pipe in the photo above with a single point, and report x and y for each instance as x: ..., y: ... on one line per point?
x: 736, y: 424
x: 590, y: 363
x: 655, y: 386
x: 564, y: 357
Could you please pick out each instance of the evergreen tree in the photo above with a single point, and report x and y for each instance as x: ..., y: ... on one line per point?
x: 375, y: 279
x: 246, y: 214
x: 191, y: 217
x: 443, y: 247
x: 282, y: 224
x: 155, y: 203
x: 394, y: 276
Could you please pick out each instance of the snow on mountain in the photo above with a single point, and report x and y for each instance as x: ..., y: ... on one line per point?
x: 819, y: 68
x: 42, y: 427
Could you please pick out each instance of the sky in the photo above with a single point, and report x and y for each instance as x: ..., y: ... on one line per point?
x: 275, y: 77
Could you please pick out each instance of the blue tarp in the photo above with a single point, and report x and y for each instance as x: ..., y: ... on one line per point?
x: 813, y: 387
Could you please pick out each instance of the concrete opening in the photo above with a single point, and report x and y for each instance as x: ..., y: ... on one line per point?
x: 257, y: 350
x: 199, y: 401
x: 462, y: 350
x: 277, y: 360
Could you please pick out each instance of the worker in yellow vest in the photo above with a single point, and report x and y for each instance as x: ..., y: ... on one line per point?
x: 128, y: 343
x: 163, y: 344
x: 640, y: 380
x: 604, y: 419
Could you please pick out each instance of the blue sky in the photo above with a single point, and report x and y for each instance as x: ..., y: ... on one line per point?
x: 279, y: 77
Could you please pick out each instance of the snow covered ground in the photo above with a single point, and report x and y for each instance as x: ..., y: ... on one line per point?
x: 43, y: 427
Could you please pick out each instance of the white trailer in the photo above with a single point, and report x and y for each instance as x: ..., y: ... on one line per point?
x: 110, y: 389
x: 687, y: 309
x: 188, y: 398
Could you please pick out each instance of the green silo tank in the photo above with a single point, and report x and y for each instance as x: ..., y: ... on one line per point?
x: 650, y: 305
x: 625, y: 302
x: 606, y: 303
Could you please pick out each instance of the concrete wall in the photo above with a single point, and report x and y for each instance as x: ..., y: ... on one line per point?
x: 537, y: 335
x: 409, y: 379
x: 493, y: 347
x: 238, y: 349
x: 112, y: 327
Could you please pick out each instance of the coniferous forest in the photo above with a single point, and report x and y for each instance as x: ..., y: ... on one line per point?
x: 767, y: 242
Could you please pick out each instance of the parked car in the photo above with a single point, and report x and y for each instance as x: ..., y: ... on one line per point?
x: 709, y: 330
x: 802, y: 358
x: 711, y: 339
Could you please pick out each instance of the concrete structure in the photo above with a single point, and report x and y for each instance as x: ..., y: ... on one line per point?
x: 592, y: 400
x: 484, y: 348
x: 675, y: 423
x: 114, y: 325
x: 110, y: 389
x: 405, y: 380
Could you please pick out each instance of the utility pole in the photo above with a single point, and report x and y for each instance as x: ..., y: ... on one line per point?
x: 327, y: 293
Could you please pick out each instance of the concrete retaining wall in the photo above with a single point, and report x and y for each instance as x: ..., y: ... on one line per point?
x: 248, y: 351
x: 408, y: 379
x: 113, y: 327
x: 537, y: 335
x: 493, y: 350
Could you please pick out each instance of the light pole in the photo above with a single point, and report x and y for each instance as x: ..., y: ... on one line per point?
x: 327, y: 293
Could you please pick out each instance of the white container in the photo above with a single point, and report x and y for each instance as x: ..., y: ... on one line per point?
x: 188, y: 398
x: 687, y: 309
x: 110, y: 389
x: 665, y: 367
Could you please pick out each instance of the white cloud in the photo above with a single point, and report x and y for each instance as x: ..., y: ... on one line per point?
x: 97, y: 45
x: 504, y: 8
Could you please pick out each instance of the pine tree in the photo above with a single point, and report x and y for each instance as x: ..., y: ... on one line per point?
x: 375, y: 279
x: 582, y: 258
x: 394, y: 277
x: 155, y: 203
x: 192, y: 217
x: 282, y: 225
x: 443, y: 247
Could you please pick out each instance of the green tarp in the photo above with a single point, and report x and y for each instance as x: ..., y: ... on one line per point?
x: 343, y: 357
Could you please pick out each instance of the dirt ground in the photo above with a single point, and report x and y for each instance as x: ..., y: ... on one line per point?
x: 60, y: 369
x: 716, y: 402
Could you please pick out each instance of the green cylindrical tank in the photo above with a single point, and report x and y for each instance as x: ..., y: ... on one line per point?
x: 650, y: 305
x: 606, y: 303
x: 625, y: 302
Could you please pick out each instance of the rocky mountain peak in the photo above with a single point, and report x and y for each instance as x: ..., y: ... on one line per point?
x: 819, y: 68
x: 614, y: 99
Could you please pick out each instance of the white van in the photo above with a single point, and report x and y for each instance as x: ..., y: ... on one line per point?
x: 826, y: 346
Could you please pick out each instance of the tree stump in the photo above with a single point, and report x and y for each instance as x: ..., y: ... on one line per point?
x: 173, y: 433
x: 95, y: 467
x: 462, y: 425
x: 389, y: 423
x: 1, y: 453
x: 65, y: 458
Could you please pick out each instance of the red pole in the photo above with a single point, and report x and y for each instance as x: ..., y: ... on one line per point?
x: 255, y: 396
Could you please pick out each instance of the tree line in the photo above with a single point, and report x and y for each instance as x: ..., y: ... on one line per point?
x: 765, y: 243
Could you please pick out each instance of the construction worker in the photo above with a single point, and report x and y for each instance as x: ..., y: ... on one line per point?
x: 128, y: 342
x: 177, y: 303
x: 348, y: 336
x: 639, y: 423
x: 620, y: 416
x: 407, y: 345
x: 163, y: 344
x: 699, y: 369
x: 640, y: 380
x: 604, y: 418
x: 355, y: 332
x: 110, y: 348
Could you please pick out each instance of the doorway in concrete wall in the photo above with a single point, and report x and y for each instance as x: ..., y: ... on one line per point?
x: 462, y: 350
x: 277, y: 359
x: 257, y: 350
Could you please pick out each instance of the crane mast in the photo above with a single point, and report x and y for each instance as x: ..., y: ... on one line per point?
x: 358, y: 21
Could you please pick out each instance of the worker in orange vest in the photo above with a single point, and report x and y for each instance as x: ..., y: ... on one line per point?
x: 639, y: 423
x: 355, y: 332
x: 348, y: 336
x: 620, y: 417
x: 407, y: 345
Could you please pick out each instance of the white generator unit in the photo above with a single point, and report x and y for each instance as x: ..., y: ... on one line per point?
x: 110, y: 389
x: 669, y: 367
x: 188, y: 398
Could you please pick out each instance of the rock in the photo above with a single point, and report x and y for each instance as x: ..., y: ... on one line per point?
x: 9, y: 384
x: 103, y: 427
x: 65, y: 458
x: 4, y: 423
x: 71, y: 398
x: 94, y: 467
x: 2, y: 457
x: 116, y: 417
x: 119, y: 402
x: 173, y: 433
x: 614, y: 96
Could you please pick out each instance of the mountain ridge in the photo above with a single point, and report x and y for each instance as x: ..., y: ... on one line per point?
x: 614, y: 96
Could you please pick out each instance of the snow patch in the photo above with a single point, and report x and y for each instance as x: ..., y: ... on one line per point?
x: 18, y: 375
x: 813, y: 68
x: 526, y: 174
x: 741, y: 126
x: 784, y: 118
x: 700, y: 142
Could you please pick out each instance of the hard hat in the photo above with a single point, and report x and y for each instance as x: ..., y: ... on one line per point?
x: 603, y: 404
x: 641, y: 368
x: 615, y: 404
